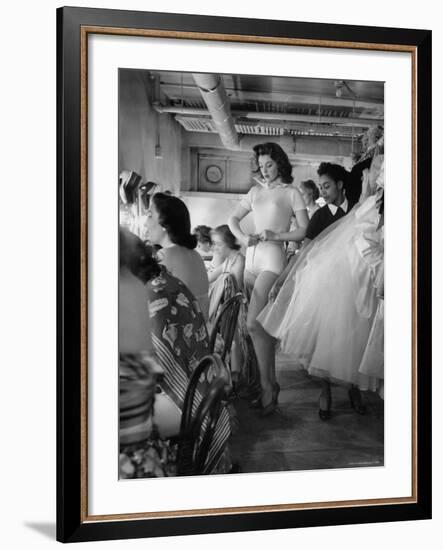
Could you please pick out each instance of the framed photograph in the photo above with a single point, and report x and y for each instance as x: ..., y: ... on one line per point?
x: 227, y: 189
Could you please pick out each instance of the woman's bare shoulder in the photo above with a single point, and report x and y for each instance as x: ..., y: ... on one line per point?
x: 171, y: 253
x: 170, y: 258
x: 197, y: 259
x: 175, y: 255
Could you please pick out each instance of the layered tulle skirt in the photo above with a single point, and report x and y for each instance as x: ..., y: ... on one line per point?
x: 325, y: 312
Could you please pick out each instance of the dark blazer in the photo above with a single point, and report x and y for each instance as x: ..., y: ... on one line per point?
x: 323, y: 218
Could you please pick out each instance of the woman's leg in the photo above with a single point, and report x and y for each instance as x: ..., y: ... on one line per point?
x: 325, y: 395
x: 324, y: 402
x: 264, y: 344
x: 356, y: 400
x: 248, y: 283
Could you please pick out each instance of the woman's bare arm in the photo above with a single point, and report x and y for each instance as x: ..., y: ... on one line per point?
x: 234, y: 226
x: 215, y: 273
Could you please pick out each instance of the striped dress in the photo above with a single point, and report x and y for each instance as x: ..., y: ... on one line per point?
x: 180, y: 339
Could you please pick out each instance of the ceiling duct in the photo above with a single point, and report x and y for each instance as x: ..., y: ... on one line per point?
x: 214, y: 94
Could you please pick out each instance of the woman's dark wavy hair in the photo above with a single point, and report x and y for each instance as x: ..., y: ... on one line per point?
x: 137, y: 257
x: 203, y: 234
x: 279, y: 156
x: 310, y: 184
x: 227, y: 236
x: 173, y: 215
x: 335, y: 171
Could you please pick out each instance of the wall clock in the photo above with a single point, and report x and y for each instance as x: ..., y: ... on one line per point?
x: 214, y: 174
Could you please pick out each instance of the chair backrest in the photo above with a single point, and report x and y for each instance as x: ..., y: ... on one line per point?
x: 199, y: 420
x: 225, y: 324
x: 230, y: 287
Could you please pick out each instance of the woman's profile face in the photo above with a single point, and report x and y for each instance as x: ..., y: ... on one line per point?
x: 154, y: 231
x: 219, y: 246
x: 268, y: 168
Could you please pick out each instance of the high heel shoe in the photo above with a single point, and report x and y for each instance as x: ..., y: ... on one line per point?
x: 256, y: 403
x: 325, y: 414
x: 254, y: 396
x: 356, y: 402
x: 273, y: 405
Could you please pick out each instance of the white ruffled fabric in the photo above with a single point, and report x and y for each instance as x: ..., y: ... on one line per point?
x: 325, y: 311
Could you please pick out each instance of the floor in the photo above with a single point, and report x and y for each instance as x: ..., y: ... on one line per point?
x: 294, y: 437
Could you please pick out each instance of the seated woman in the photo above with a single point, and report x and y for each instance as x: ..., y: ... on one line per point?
x: 230, y: 271
x: 232, y: 263
x: 180, y: 341
x: 142, y: 454
x: 243, y: 362
x: 168, y: 225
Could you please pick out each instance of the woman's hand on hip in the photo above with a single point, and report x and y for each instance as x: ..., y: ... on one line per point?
x: 251, y: 240
x: 268, y: 235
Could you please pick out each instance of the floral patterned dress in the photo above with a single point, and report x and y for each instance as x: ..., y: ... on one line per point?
x: 142, y: 452
x: 180, y: 340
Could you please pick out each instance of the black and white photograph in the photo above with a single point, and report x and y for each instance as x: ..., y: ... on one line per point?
x: 196, y: 347
x: 251, y: 273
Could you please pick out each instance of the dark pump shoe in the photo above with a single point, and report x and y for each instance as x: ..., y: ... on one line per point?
x: 356, y: 402
x: 325, y: 414
x: 256, y: 403
x: 273, y: 405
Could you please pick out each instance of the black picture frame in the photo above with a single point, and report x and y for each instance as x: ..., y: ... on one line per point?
x: 73, y: 523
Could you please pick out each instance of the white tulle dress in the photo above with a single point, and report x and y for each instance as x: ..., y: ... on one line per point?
x: 329, y: 306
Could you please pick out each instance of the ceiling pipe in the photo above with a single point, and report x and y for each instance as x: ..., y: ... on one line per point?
x: 214, y: 94
x: 289, y: 117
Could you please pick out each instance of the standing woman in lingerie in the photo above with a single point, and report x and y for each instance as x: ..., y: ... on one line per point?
x: 273, y: 203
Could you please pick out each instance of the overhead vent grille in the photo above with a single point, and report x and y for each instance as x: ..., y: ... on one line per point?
x: 205, y: 125
x: 189, y: 102
x: 196, y: 124
x: 281, y: 108
x: 191, y: 124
